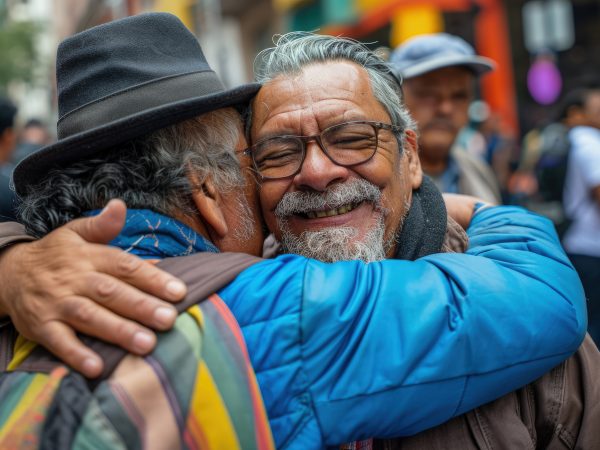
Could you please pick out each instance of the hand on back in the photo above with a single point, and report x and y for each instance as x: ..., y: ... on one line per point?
x: 69, y: 282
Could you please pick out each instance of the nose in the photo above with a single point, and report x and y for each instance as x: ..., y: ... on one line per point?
x: 318, y: 172
x: 445, y: 106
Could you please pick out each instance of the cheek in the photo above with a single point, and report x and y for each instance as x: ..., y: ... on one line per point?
x: 388, y: 173
x: 397, y: 192
x: 270, y: 193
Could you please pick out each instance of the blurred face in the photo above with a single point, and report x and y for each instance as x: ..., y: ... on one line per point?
x: 592, y: 109
x: 439, y: 102
x: 328, y: 211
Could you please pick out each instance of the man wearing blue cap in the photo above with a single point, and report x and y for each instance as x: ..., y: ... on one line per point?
x: 439, y: 73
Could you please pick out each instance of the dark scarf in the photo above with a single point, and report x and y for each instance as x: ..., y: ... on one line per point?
x: 424, y: 229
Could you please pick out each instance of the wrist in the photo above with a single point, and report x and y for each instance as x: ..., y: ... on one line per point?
x: 8, y: 263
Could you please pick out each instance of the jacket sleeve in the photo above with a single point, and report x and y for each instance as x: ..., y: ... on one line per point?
x: 11, y: 233
x: 353, y: 350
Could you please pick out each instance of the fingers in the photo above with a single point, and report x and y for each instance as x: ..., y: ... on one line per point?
x: 125, y: 268
x: 461, y: 207
x: 104, y: 227
x: 129, y: 302
x: 89, y: 318
x: 61, y: 340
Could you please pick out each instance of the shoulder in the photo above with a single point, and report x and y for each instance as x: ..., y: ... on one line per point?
x: 476, y: 176
x: 506, y: 222
x: 465, y: 159
x: 585, y: 140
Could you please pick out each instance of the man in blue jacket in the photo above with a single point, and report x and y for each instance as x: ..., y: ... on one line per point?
x: 341, y: 351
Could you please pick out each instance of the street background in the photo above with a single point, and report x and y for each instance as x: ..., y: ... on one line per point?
x: 544, y: 48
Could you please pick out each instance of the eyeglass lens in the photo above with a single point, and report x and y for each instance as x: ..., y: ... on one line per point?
x: 346, y: 144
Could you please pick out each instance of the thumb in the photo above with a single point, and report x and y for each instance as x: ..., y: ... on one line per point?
x: 104, y: 227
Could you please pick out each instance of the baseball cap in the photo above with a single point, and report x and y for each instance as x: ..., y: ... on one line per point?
x: 428, y: 52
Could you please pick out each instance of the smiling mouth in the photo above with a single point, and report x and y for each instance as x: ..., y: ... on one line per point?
x: 330, y: 212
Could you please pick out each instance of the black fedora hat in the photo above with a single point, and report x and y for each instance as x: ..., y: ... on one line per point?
x: 122, y: 80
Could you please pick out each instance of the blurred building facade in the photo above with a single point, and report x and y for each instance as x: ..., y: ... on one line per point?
x: 544, y: 48
x: 518, y: 34
x: 231, y: 32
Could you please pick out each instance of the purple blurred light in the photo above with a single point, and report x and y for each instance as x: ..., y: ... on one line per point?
x: 544, y: 82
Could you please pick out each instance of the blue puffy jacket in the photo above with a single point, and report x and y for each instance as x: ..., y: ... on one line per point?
x: 352, y: 350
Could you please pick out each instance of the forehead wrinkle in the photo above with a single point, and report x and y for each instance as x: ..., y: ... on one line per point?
x: 304, y: 103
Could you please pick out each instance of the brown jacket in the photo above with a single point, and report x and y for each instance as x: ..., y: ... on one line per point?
x: 11, y: 233
x: 559, y: 411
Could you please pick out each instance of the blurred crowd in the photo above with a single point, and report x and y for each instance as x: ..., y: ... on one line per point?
x: 15, y: 144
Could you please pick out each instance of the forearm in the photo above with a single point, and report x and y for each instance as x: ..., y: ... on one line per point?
x: 460, y: 330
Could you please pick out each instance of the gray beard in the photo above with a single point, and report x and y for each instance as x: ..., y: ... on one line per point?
x: 335, y: 243
x: 338, y: 244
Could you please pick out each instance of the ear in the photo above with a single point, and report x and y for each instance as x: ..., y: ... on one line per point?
x: 411, y: 148
x: 208, y: 202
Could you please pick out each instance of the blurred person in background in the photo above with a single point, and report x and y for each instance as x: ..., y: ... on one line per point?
x: 581, y: 197
x: 8, y: 112
x: 440, y: 73
x: 500, y: 145
x: 33, y: 136
x: 539, y: 180
x: 470, y: 138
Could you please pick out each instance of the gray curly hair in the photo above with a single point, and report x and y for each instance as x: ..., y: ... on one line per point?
x: 295, y: 50
x: 147, y: 173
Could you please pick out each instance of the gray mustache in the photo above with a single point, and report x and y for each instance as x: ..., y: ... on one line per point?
x: 354, y: 191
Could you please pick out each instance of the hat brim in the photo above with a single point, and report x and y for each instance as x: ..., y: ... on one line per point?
x: 478, y: 64
x: 90, y: 142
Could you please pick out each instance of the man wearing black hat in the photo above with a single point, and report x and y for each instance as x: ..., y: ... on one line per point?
x: 312, y: 329
x: 439, y: 72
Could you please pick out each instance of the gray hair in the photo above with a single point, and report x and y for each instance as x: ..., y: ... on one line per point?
x: 146, y: 173
x: 295, y: 50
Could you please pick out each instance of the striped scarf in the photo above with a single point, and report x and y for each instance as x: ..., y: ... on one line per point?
x: 196, y: 390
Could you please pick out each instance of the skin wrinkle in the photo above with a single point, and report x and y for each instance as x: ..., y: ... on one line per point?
x: 336, y: 108
x: 336, y: 243
x: 310, y: 83
x: 319, y: 101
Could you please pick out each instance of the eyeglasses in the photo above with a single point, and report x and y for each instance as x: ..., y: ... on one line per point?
x: 346, y: 144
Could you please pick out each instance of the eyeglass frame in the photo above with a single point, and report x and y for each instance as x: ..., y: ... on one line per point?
x: 377, y: 126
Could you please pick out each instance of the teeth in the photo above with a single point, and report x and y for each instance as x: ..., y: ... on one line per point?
x: 331, y: 212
